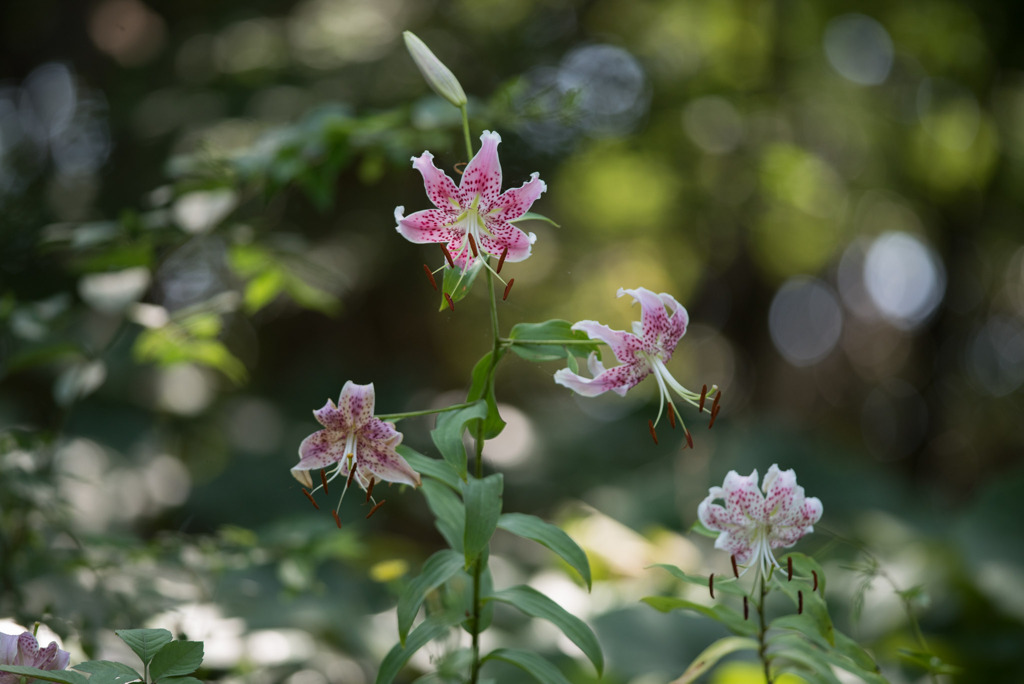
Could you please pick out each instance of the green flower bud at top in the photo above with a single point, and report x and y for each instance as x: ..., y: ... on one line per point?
x: 438, y: 76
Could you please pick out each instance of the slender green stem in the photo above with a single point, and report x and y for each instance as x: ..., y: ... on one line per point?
x: 762, y: 632
x: 424, y: 412
x: 509, y: 342
x: 465, y: 132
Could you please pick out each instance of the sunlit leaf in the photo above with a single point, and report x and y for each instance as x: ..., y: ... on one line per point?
x: 710, y: 656
x: 553, y: 537
x: 536, y: 604
x: 530, y: 662
x: 550, y: 330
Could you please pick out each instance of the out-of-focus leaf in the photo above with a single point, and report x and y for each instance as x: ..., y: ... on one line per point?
x: 710, y: 656
x: 432, y: 628
x: 530, y: 662
x: 41, y: 356
x: 720, y: 613
x: 553, y: 537
x: 929, y: 662
x: 107, y: 671
x: 725, y: 585
x: 79, y: 380
x: 61, y: 676
x: 536, y: 604
x: 534, y: 216
x: 483, y: 507
x: 438, y: 568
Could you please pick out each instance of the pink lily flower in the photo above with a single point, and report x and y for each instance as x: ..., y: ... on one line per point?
x: 753, y: 523
x: 643, y: 352
x: 356, y: 442
x: 476, y: 209
x: 23, y: 650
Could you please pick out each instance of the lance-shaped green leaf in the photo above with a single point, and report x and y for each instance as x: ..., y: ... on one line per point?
x: 712, y: 654
x: 720, y: 613
x: 457, y: 283
x: 61, y: 676
x: 534, y: 216
x: 544, y: 533
x: 109, y: 672
x: 482, y: 387
x: 723, y: 584
x: 535, y: 604
x: 796, y: 649
x: 432, y: 628
x: 813, y: 604
x: 145, y: 642
x: 431, y: 467
x: 436, y: 571
x: 449, y: 512
x: 483, y: 508
x: 812, y: 647
x: 447, y: 435
x: 538, y: 668
x: 927, y: 661
x: 555, y: 330
x: 176, y: 659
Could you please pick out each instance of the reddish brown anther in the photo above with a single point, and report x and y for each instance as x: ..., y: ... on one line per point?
x: 714, y: 404
x: 323, y: 478
x: 815, y: 574
x: 311, y: 499
x: 746, y: 608
x: 735, y: 568
x: 472, y: 245
x: 448, y: 298
x: 501, y: 261
x: 714, y: 414
x: 799, y: 603
x: 703, y: 396
x: 508, y: 288
x: 654, y: 435
x: 672, y: 416
x: 369, y: 490
x: 448, y: 256
x: 374, y: 509
x: 430, y: 275
x: 459, y: 167
x: 337, y: 520
x: 789, y: 569
x: 351, y: 474
x: 689, y: 439
x: 711, y: 584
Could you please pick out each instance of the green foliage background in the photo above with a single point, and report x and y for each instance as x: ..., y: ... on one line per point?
x: 197, y: 248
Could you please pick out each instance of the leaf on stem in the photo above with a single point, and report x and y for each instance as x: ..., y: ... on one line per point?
x: 457, y: 283
x: 432, y: 628
x: 719, y: 612
x: 531, y: 663
x: 447, y: 435
x: 483, y: 508
x: 145, y: 642
x: 109, y: 672
x: 482, y: 387
x: 436, y: 571
x: 431, y: 467
x: 712, y: 654
x: 535, y: 604
x: 554, y: 538
x: 449, y: 512
x: 549, y: 330
x: 176, y: 659
x: 61, y: 676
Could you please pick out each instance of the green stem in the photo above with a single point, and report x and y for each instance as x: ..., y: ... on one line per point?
x: 509, y: 342
x: 762, y: 633
x: 424, y: 412
x: 465, y: 132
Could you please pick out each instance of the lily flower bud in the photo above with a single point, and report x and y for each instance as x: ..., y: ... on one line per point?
x: 437, y: 75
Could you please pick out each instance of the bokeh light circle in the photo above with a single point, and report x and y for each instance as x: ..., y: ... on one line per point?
x: 805, y: 320
x: 904, y: 278
x: 859, y: 49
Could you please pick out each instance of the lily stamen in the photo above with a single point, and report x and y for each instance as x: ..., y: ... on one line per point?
x: 375, y: 508
x: 311, y: 499
x: 508, y: 288
x: 430, y: 275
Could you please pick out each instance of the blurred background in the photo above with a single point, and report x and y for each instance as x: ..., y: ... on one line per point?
x: 197, y: 248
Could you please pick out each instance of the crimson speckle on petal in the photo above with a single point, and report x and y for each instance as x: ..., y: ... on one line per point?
x: 476, y: 208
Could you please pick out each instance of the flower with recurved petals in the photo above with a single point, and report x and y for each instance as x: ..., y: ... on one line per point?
x: 643, y: 352
x: 475, y: 208
x: 23, y: 649
x: 354, y: 441
x: 755, y: 521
